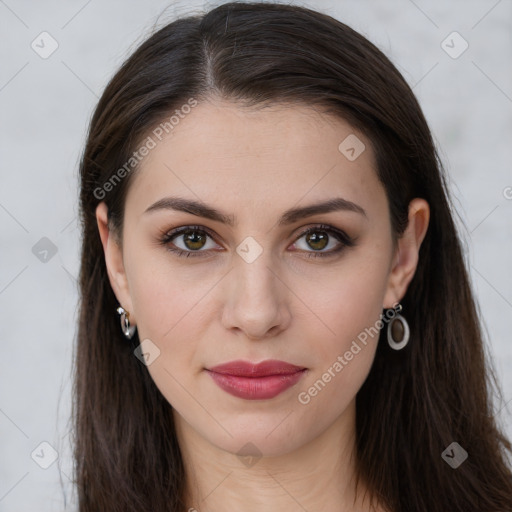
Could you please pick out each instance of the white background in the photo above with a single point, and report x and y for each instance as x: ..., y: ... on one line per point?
x: 45, y: 106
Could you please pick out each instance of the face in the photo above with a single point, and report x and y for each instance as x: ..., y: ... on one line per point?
x: 265, y: 277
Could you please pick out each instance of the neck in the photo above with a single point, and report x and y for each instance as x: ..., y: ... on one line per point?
x: 319, y: 475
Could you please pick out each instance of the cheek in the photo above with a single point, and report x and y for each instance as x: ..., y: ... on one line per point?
x: 349, y: 304
x: 170, y: 304
x: 335, y: 385
x: 167, y: 315
x: 162, y: 292
x: 343, y: 361
x: 350, y: 307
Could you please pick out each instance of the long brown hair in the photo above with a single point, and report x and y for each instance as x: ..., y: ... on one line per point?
x: 415, y: 402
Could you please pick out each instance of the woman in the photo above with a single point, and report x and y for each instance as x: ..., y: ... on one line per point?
x: 275, y: 308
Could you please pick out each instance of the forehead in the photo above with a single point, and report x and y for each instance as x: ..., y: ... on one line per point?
x: 221, y: 151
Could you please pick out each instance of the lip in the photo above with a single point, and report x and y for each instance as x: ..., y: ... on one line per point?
x: 260, y: 381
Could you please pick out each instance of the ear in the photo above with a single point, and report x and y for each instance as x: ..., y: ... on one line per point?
x: 114, y: 261
x: 405, y: 259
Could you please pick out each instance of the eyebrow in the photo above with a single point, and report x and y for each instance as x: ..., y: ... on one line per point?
x: 289, y: 216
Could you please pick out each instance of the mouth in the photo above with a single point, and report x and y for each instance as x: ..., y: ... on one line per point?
x: 260, y: 381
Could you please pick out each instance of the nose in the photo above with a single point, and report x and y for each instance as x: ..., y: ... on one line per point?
x: 256, y: 301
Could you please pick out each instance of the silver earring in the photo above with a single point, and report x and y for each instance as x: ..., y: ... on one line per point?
x: 128, y: 330
x: 398, y: 330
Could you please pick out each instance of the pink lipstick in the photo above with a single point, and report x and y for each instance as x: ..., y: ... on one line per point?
x: 256, y: 381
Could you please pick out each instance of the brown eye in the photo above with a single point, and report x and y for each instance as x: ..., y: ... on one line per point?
x: 314, y: 240
x: 189, y: 241
x: 194, y: 239
x: 317, y: 240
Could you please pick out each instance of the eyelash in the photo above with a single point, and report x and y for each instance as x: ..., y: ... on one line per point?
x: 342, y: 237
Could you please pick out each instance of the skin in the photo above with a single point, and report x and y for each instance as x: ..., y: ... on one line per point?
x: 204, y: 311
